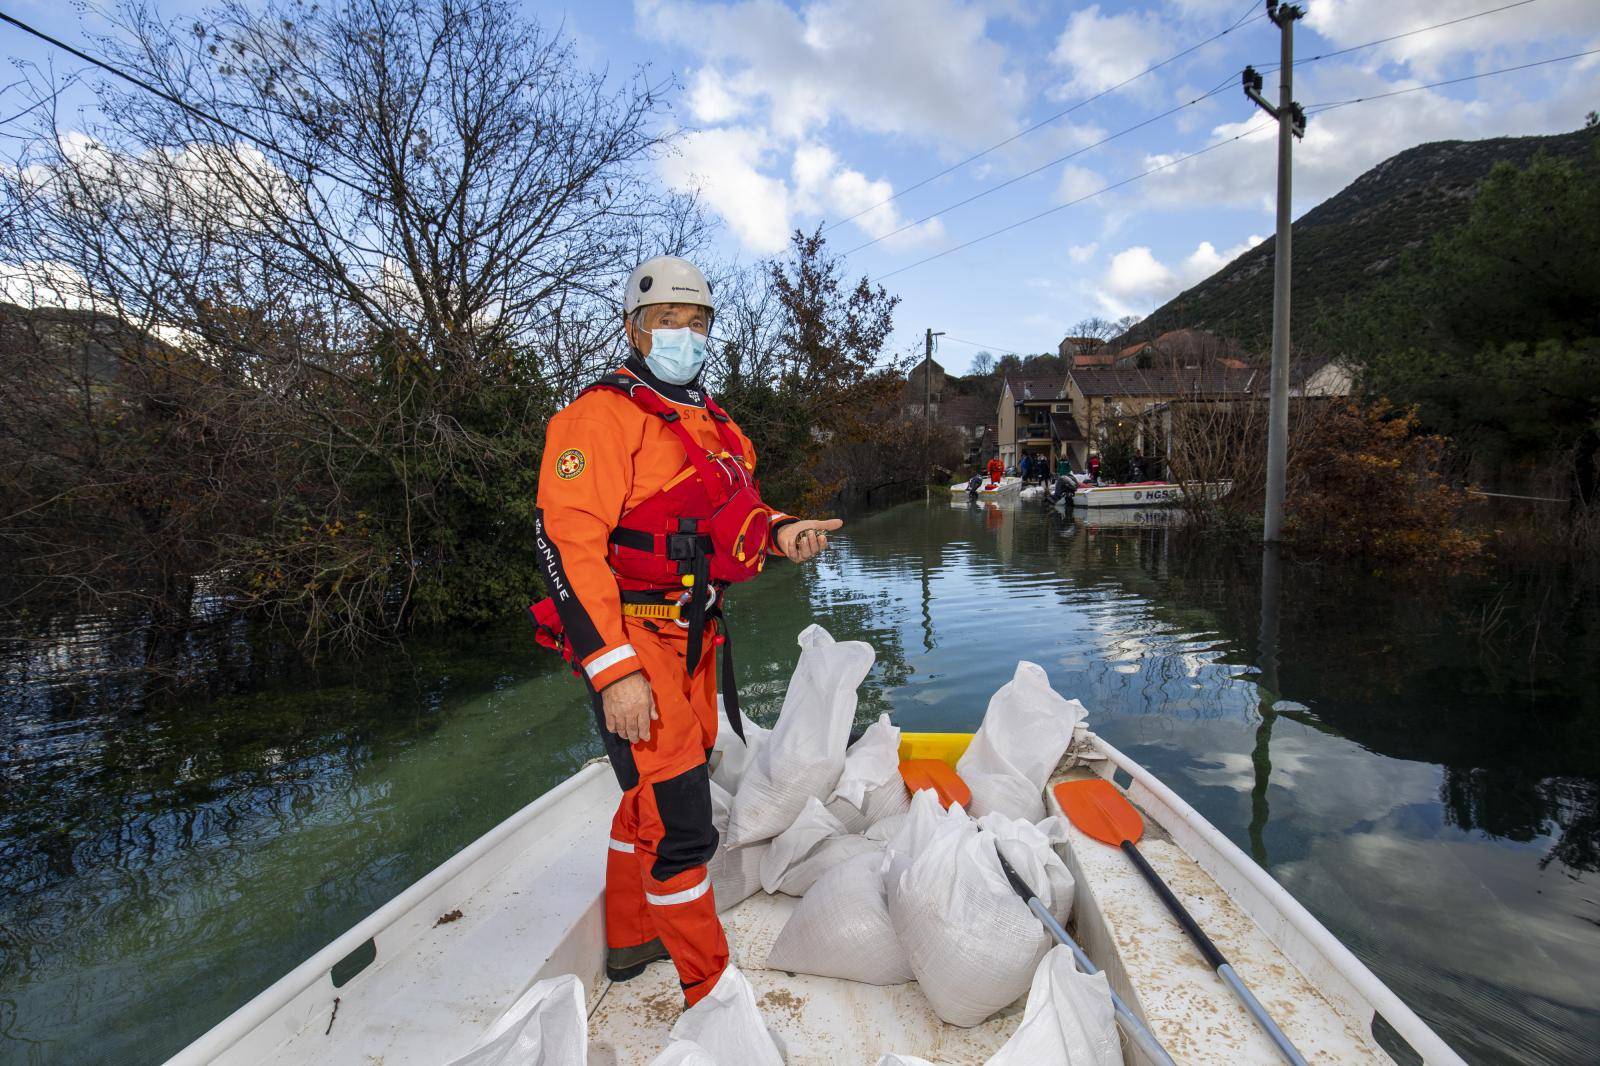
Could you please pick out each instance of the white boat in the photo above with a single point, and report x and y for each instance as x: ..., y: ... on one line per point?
x: 423, y: 977
x: 1146, y: 493
x: 1130, y: 517
x: 987, y: 489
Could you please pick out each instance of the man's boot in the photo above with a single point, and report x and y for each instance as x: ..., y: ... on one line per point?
x: 624, y: 964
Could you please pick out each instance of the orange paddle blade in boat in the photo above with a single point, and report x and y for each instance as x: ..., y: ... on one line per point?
x: 1099, y: 809
x: 939, y: 776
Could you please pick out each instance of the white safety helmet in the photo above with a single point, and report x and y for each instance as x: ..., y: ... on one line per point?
x: 666, y: 279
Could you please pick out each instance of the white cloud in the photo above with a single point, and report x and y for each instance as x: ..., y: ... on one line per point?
x: 1490, y: 39
x: 1100, y: 51
x: 711, y: 100
x: 1137, y: 282
x: 723, y: 165
x: 44, y: 284
x: 823, y: 186
x: 1137, y: 276
x: 1077, y: 182
x: 925, y: 68
x: 1082, y: 253
x: 1344, y: 143
x: 785, y: 76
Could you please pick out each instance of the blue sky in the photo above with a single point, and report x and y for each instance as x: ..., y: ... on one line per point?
x: 806, y: 112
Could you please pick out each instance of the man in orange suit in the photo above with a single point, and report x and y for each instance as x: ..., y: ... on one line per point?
x: 648, y: 510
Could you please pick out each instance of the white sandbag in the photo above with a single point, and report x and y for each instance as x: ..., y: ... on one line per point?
x: 870, y: 788
x: 841, y: 929
x: 925, y: 820
x: 814, y: 844
x: 730, y: 756
x: 1069, y: 1019
x: 735, y: 872
x: 684, y: 1053
x: 546, y: 1026
x: 824, y: 857
x: 1025, y: 730
x: 972, y: 943
x: 727, y: 1025
x: 812, y: 827
x: 805, y: 752
x: 885, y: 828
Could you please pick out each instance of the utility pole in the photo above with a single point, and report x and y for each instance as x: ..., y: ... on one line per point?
x: 1291, y: 124
x: 927, y: 389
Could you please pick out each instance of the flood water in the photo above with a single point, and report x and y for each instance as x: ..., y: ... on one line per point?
x: 1425, y: 777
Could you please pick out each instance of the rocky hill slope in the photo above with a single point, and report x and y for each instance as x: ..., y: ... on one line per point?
x: 1346, y: 244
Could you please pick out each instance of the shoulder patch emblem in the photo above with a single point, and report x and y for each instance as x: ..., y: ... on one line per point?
x: 569, y: 464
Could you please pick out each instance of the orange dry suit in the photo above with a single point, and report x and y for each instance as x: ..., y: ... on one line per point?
x: 997, y: 470
x: 647, y: 510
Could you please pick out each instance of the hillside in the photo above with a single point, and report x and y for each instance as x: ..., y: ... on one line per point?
x: 1344, y: 245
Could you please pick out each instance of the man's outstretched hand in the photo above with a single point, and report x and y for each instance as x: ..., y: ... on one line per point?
x: 629, y: 707
x: 802, y: 540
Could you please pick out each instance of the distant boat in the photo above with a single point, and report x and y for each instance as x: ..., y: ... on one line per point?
x: 1146, y: 493
x: 425, y: 975
x: 1006, y: 485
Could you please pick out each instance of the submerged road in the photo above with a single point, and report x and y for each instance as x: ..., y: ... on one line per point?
x: 1395, y: 753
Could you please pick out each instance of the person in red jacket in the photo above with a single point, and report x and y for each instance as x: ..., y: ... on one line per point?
x: 996, y: 470
x: 647, y: 511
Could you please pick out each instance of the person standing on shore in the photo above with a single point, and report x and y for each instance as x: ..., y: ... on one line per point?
x: 648, y: 509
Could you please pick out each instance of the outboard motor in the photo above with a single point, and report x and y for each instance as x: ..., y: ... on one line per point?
x: 974, y: 484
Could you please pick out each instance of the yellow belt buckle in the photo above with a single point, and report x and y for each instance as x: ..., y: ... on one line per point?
x: 652, y: 610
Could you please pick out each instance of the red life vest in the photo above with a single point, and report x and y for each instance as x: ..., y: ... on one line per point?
x: 711, y: 510
x: 707, y: 524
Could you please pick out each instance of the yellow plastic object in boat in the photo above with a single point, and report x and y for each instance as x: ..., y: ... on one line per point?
x: 944, y: 747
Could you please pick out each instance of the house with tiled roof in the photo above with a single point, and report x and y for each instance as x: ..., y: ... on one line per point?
x: 1023, y: 419
x: 1100, y: 398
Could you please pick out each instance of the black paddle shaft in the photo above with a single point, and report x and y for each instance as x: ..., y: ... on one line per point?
x: 1213, y: 957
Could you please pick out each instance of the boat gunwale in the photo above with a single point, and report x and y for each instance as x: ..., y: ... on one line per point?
x: 228, y: 1033
x: 1366, y: 984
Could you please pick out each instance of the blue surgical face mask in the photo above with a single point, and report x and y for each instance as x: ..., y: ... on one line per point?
x: 676, y: 355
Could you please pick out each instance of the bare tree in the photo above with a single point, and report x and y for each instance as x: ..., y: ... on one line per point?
x: 373, y: 285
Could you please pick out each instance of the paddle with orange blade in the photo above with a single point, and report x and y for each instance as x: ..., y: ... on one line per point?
x: 939, y: 776
x: 1100, y: 810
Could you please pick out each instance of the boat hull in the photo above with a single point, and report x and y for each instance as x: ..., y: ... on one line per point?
x: 1146, y: 494
x: 1006, y: 487
x: 530, y: 896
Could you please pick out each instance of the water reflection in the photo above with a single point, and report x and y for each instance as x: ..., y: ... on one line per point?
x: 1421, y: 772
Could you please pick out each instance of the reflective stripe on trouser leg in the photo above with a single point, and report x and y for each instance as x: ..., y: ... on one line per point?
x: 684, y: 911
x: 628, y: 921
x: 673, y: 843
x: 671, y: 809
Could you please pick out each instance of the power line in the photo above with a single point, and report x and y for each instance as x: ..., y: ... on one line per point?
x: 259, y: 142
x: 1269, y: 67
x: 1321, y: 107
x: 1242, y: 20
x: 1329, y: 106
x: 1227, y: 82
x: 1079, y: 200
x: 988, y: 347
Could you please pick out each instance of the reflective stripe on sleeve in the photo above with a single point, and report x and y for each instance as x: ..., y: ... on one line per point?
x: 610, y: 658
x: 688, y: 895
x: 622, y: 846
